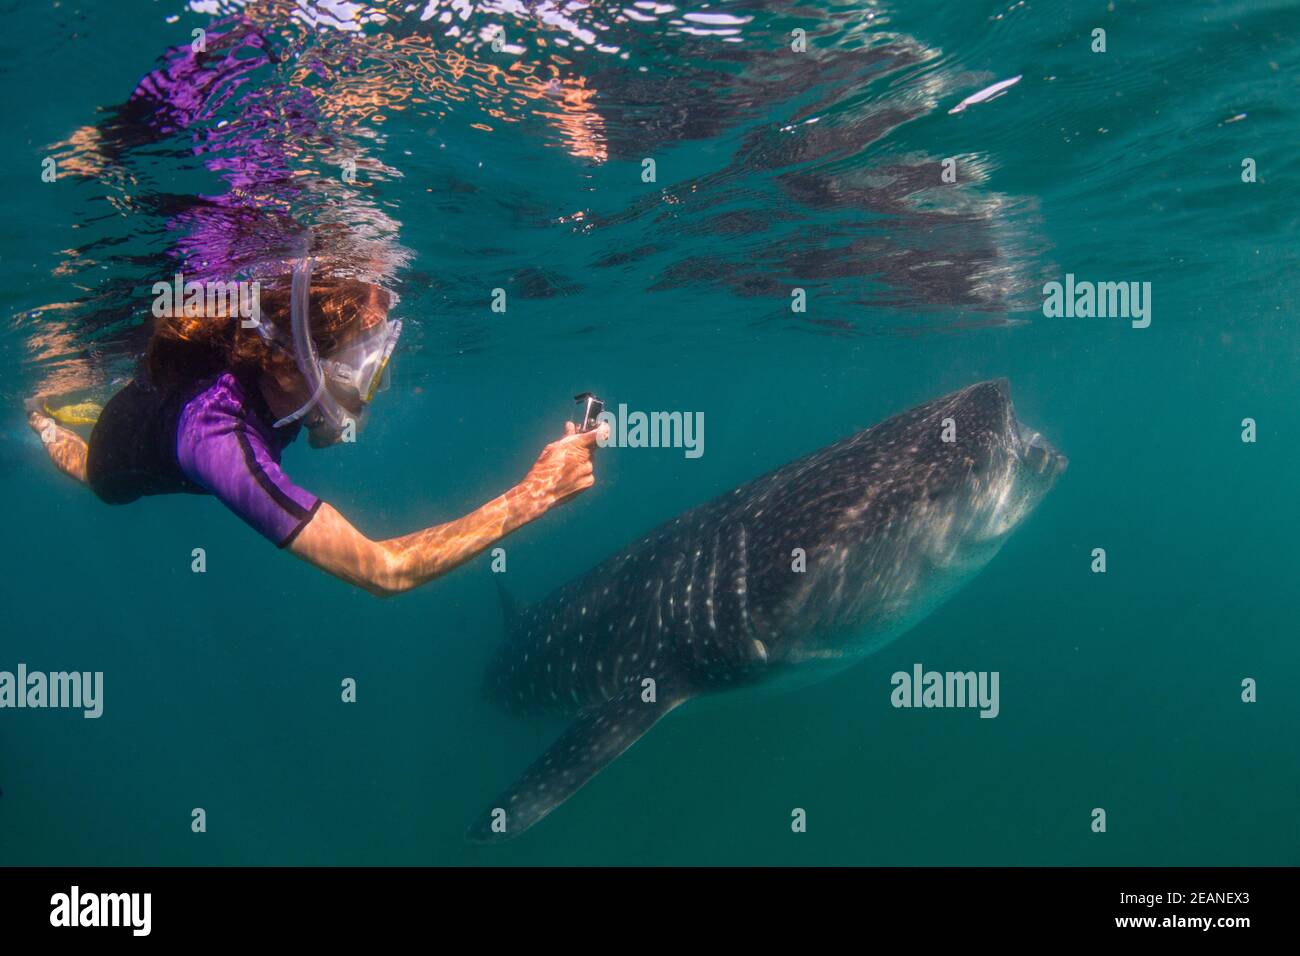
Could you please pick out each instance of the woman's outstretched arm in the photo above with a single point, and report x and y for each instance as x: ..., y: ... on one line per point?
x: 389, y: 567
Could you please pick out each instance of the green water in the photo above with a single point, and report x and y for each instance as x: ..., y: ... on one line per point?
x: 1119, y: 690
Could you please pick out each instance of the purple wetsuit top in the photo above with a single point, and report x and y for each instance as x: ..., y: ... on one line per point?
x: 226, y: 448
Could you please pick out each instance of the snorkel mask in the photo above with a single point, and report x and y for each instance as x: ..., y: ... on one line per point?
x: 343, y: 383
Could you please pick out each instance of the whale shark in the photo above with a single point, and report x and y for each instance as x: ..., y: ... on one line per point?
x: 795, y: 574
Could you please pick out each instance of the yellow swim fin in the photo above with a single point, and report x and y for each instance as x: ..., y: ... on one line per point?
x: 82, y: 413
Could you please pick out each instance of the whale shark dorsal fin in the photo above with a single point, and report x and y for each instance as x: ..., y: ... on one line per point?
x: 511, y: 612
x: 597, y: 735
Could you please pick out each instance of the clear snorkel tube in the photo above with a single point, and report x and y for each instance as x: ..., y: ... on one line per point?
x: 304, y: 352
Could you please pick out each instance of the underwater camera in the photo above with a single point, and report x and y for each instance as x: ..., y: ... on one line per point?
x: 592, y: 407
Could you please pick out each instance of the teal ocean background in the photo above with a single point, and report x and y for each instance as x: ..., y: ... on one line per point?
x: 1119, y: 690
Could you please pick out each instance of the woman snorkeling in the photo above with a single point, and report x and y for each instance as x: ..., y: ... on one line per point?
x: 217, y: 399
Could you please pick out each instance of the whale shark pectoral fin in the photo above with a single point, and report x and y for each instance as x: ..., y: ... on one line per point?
x: 597, y: 735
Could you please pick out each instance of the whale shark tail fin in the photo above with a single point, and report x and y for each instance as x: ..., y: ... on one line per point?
x: 595, y: 738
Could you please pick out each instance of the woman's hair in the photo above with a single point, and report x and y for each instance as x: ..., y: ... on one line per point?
x: 185, y: 348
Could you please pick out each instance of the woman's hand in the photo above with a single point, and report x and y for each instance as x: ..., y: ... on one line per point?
x: 66, y: 448
x: 44, y: 426
x: 562, y: 470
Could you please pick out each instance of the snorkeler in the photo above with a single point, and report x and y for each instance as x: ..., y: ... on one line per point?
x: 215, y: 402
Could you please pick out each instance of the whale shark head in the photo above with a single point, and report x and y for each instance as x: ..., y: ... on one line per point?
x: 914, y: 506
x: 1011, y: 466
x: 983, y: 472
